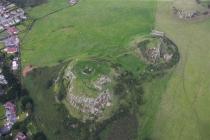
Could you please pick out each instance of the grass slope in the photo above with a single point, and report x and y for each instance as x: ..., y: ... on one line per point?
x: 90, y: 28
x: 47, y: 115
x: 153, y: 91
x: 184, y: 109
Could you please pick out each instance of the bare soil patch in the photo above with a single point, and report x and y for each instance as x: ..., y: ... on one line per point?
x: 27, y: 70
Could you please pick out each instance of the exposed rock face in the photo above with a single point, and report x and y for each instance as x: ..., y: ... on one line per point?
x: 153, y: 54
x: 159, y: 51
x: 103, y: 80
x: 91, y: 106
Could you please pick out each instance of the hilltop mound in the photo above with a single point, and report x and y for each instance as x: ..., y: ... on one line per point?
x: 89, y: 89
x: 159, y: 52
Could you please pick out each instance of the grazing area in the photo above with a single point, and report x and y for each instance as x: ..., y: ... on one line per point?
x: 105, y: 70
x: 90, y: 28
x: 48, y: 114
x: 184, y: 109
x: 153, y: 92
x: 92, y: 38
x: 66, y: 42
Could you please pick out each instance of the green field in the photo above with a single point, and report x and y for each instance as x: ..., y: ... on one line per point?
x: 49, y: 117
x: 176, y: 106
x: 154, y: 91
x: 184, y: 108
x: 90, y: 28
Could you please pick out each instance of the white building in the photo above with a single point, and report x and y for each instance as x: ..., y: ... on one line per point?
x: 14, y: 65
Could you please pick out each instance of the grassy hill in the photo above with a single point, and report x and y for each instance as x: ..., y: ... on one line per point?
x: 96, y: 29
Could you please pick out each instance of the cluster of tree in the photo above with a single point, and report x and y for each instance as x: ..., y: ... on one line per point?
x: 129, y: 88
x: 21, y: 126
x: 78, y: 129
x: 39, y: 136
x: 13, y: 88
x: 27, y: 104
x: 62, y: 92
x: 49, y: 84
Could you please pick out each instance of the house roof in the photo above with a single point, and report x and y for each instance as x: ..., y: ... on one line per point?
x: 11, y: 49
x: 9, y: 105
x: 14, y: 65
x: 20, y: 136
x: 12, y: 30
x: 10, y: 112
x: 12, y: 41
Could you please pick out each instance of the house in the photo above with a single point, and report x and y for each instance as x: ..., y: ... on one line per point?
x: 15, y: 64
x: 2, y: 59
x: 1, y: 28
x: 12, y: 41
x: 3, y: 81
x: 10, y: 113
x: 2, y: 92
x: 9, y: 105
x: 11, y: 22
x: 13, y: 12
x: 10, y: 6
x: 20, y: 136
x: 10, y: 16
x: 12, y: 31
x: 5, y: 23
x: 11, y: 50
x: 19, y: 10
x: 17, y: 20
x: 6, y: 15
x: 12, y: 44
